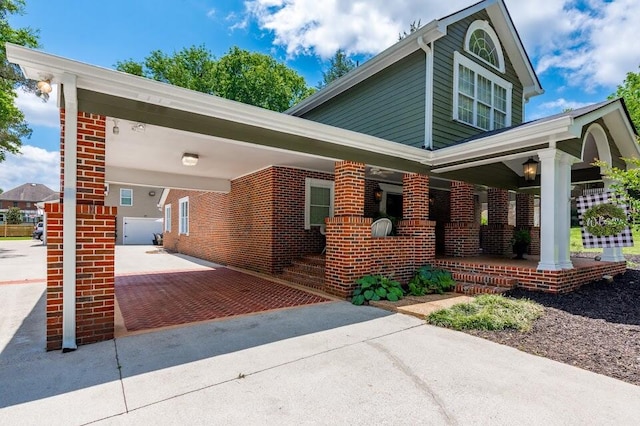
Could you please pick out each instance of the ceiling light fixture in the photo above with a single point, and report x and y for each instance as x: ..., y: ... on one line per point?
x: 115, y: 129
x: 189, y: 159
x: 138, y: 127
x: 530, y: 169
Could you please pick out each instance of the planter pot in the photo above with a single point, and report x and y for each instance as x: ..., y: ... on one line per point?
x: 520, y: 249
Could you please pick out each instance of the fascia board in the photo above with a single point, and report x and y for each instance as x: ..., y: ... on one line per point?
x: 388, y: 57
x: 555, y: 130
x: 119, y: 84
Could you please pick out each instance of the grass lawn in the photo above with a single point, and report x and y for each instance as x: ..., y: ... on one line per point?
x: 15, y: 238
x: 576, y: 243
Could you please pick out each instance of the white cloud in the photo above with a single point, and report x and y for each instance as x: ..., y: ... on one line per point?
x: 34, y: 165
x: 588, y: 42
x: 38, y: 113
x: 211, y: 13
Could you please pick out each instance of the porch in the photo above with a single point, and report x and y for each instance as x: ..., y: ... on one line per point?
x: 482, y: 273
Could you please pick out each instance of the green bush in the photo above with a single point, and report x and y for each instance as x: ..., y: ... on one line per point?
x: 430, y: 280
x: 489, y: 312
x: 376, y: 287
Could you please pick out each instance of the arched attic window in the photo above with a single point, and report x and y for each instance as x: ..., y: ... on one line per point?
x: 482, y: 42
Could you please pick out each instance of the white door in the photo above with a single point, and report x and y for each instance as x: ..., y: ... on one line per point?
x: 140, y: 230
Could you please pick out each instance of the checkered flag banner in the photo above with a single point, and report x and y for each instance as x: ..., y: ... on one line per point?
x: 623, y: 239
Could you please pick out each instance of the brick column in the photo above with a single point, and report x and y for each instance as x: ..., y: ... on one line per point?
x: 95, y: 242
x: 462, y: 234
x: 497, y: 239
x: 348, y: 232
x: 525, y: 211
x: 416, y: 223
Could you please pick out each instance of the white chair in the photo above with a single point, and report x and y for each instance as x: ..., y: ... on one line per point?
x: 381, y: 227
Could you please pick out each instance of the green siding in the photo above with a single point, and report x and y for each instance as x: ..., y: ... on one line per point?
x: 389, y: 104
x: 446, y: 131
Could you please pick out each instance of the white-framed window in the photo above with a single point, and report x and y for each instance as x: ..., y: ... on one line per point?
x: 126, y: 197
x: 482, y: 42
x: 167, y: 218
x: 184, y: 215
x: 480, y: 98
x: 318, y: 201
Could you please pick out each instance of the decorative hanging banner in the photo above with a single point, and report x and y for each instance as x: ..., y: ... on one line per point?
x: 603, y: 223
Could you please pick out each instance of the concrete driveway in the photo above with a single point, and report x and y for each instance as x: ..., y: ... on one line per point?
x: 323, y: 364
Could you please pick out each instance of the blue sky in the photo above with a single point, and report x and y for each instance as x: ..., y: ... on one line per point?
x: 581, y: 49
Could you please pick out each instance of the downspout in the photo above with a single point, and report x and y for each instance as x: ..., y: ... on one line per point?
x: 428, y: 96
x: 69, y: 211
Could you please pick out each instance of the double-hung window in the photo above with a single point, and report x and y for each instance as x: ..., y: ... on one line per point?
x: 184, y: 215
x: 318, y: 202
x: 126, y: 197
x: 167, y: 218
x: 481, y: 98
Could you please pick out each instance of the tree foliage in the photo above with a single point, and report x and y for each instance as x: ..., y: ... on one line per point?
x: 249, y: 77
x: 629, y: 90
x: 14, y: 216
x: 413, y: 27
x: 339, y: 65
x: 13, y: 127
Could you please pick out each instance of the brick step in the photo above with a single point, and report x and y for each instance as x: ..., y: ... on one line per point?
x: 312, y: 259
x: 302, y: 278
x: 484, y: 279
x: 471, y: 289
x: 312, y: 268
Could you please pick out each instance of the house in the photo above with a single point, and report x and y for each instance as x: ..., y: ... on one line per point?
x: 25, y: 197
x: 139, y: 216
x: 431, y: 127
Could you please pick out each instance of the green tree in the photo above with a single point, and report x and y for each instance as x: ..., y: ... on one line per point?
x: 13, y: 127
x: 14, y: 216
x: 413, y: 27
x: 243, y: 76
x: 339, y: 65
x: 629, y: 90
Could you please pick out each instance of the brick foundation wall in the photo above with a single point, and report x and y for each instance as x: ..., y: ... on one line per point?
x: 95, y: 269
x: 462, y: 234
x: 563, y: 281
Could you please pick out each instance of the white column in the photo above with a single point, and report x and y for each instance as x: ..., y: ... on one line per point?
x: 69, y: 214
x: 611, y: 254
x: 555, y: 211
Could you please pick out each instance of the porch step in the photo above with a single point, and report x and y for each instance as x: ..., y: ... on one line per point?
x: 471, y: 289
x: 484, y: 279
x: 307, y: 271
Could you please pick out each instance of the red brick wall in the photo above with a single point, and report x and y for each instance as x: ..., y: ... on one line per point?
x: 349, y: 188
x: 462, y: 235
x: 95, y: 260
x: 415, y: 195
x: 259, y: 225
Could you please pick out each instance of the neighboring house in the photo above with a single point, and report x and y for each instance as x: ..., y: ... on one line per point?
x: 25, y: 197
x: 139, y: 216
x: 429, y: 129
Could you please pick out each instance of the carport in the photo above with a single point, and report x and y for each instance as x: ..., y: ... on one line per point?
x: 157, y: 124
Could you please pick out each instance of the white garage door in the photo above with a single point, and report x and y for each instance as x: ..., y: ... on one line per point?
x: 140, y: 230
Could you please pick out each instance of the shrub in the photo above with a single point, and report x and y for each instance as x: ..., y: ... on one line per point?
x: 376, y: 287
x: 489, y: 312
x: 430, y: 280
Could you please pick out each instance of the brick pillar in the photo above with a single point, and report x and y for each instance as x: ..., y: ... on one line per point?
x: 462, y: 234
x: 416, y: 223
x: 348, y: 232
x: 95, y: 242
x: 525, y: 212
x: 498, y: 233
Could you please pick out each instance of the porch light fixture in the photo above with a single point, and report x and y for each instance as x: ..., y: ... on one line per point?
x: 189, y: 159
x: 115, y: 129
x: 530, y: 169
x: 44, y: 88
x: 377, y: 194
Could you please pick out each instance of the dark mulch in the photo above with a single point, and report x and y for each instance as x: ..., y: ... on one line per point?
x: 596, y: 328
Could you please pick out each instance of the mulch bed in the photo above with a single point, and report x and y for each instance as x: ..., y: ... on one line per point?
x: 596, y: 328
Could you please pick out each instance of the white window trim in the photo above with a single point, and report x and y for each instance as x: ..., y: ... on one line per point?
x: 167, y: 218
x: 460, y: 59
x: 126, y: 189
x: 484, y: 25
x: 318, y: 183
x: 388, y: 189
x: 181, y: 229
